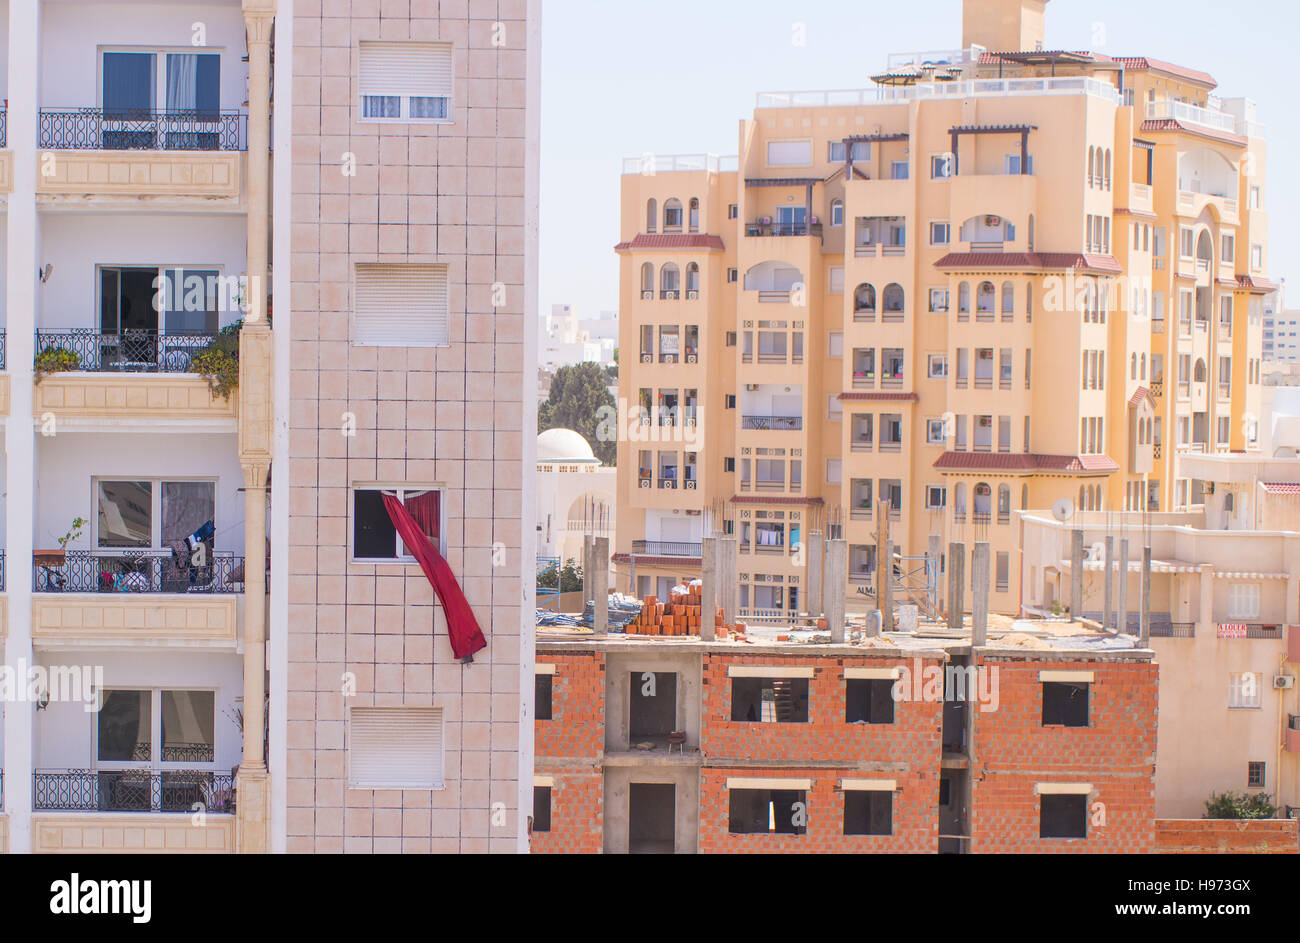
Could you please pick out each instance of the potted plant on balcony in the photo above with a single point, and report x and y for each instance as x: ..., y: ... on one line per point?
x: 219, y: 361
x: 55, y: 360
x: 56, y: 558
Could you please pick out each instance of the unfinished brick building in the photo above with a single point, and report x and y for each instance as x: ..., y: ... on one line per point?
x: 1043, y: 740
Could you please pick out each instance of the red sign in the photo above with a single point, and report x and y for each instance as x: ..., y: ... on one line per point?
x: 1232, y: 630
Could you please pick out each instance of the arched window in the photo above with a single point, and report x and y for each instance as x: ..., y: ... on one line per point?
x: 1031, y: 232
x: 963, y: 298
x: 1008, y: 298
x: 1198, y: 371
x: 648, y: 279
x: 1092, y: 169
x: 837, y: 212
x: 1108, y: 168
x: 1133, y: 366
x: 1024, y: 497
x: 651, y: 216
x: 695, y: 215
x: 892, y: 299
x: 669, y: 281
x: 1142, y: 367
x: 1081, y: 506
x: 959, y: 500
x: 1004, y: 502
x: 1029, y: 302
x: 692, y: 278
x: 983, y: 499
x: 984, y: 298
x: 864, y: 299
x: 1204, y: 247
x: 673, y: 215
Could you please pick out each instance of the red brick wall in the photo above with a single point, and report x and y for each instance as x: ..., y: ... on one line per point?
x: 576, y: 733
x: 910, y: 746
x: 1116, y: 753
x: 1227, y: 836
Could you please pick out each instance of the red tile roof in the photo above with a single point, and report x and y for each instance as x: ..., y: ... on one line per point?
x: 1169, y: 124
x: 877, y: 397
x: 1140, y: 214
x: 1024, y: 462
x: 1281, y: 487
x: 1255, y: 284
x: 772, y: 499
x: 1143, y: 64
x: 1091, y: 262
x: 672, y: 241
x: 1139, y: 395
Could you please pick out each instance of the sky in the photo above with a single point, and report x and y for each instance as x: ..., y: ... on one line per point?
x: 621, y: 78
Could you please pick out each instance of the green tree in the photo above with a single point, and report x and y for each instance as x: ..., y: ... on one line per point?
x: 1239, y: 805
x: 569, y: 578
x: 577, y: 395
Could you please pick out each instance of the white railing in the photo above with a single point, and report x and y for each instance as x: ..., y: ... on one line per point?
x: 971, y: 89
x: 1191, y: 114
x: 648, y: 164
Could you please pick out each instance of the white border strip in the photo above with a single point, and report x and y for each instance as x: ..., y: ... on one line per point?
x: 872, y: 674
x: 1077, y: 677
x: 1062, y: 789
x: 759, y: 782
x: 869, y: 785
x: 544, y: 668
x: 769, y: 671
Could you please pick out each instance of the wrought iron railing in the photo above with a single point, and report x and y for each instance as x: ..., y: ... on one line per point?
x: 136, y: 571
x: 4, y: 128
x: 2, y: 344
x: 127, y: 352
x: 2, y: 571
x: 1164, y: 629
x: 779, y: 423
x: 133, y: 790
x: 668, y: 548
x: 131, y: 129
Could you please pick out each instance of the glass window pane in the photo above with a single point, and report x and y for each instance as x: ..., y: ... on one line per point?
x: 188, y: 719
x: 374, y: 536
x: 128, y: 84
x: 381, y: 106
x: 426, y: 107
x: 186, y: 507
x: 125, y: 514
x: 190, y: 301
x: 125, y: 723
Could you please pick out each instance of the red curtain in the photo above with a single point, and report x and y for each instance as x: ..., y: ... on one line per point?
x: 424, y: 510
x: 466, y: 636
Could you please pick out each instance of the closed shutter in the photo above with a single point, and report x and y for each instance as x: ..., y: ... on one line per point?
x: 789, y: 153
x: 406, y: 69
x: 395, y: 747
x: 400, y: 306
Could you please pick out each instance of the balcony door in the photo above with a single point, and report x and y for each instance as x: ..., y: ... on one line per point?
x: 155, y: 750
x: 160, y: 100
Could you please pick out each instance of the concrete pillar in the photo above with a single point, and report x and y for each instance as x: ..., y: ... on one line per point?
x: 1076, y: 572
x: 1205, y: 617
x: 933, y: 588
x: 837, y: 578
x: 956, y: 585
x: 815, y: 549
x: 1144, y: 600
x: 728, y: 583
x: 21, y: 288
x: 600, y: 585
x: 1108, y: 593
x: 884, y: 568
x: 979, y: 613
x: 709, y: 562
x: 588, y: 568
x: 1121, y: 619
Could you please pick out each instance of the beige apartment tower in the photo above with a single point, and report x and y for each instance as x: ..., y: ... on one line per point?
x: 1000, y: 277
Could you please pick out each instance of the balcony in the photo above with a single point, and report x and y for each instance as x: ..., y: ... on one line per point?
x: 1161, y: 629
x: 667, y: 548
x: 770, y: 227
x: 140, y: 153
x: 1186, y: 113
x: 148, y: 571
x: 137, y: 790
x: 772, y: 423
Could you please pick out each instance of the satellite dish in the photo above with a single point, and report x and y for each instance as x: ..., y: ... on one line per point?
x: 1063, y: 509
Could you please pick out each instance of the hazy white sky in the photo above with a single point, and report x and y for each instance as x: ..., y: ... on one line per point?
x: 624, y: 77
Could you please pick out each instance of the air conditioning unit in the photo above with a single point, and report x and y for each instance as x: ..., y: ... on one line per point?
x: 1283, y: 682
x: 690, y: 485
x: 692, y: 296
x: 647, y: 296
x: 692, y: 358
x: 647, y: 358
x: 645, y: 482
x: 991, y: 220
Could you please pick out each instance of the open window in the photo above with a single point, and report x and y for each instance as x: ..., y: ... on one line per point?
x: 543, y: 686
x: 767, y: 811
x: 375, y: 539
x: 868, y: 812
x: 769, y: 700
x: 1063, y: 816
x: 1065, y: 704
x: 869, y: 701
x: 541, y: 808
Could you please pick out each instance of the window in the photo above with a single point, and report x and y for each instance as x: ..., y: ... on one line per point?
x: 405, y: 82
x: 542, y: 696
x: 940, y: 234
x: 151, y: 727
x: 729, y: 464
x: 1011, y: 164
x: 395, y: 747
x: 729, y: 401
x: 936, y: 497
x: 868, y: 812
x: 138, y: 84
x: 938, y: 300
x: 1003, y: 574
x: 1065, y: 704
x: 869, y: 701
x: 789, y: 153
x: 156, y: 299
x: 936, y: 366
x: 834, y: 408
x: 1245, y: 691
x: 1255, y: 775
x: 837, y: 280
x: 769, y: 700
x: 833, y: 471
x: 400, y: 306
x: 767, y: 811
x: 934, y: 432
x: 837, y: 212
x: 940, y: 166
x: 733, y: 275
x: 898, y: 170
x: 152, y: 513
x: 1229, y: 247
x: 1063, y: 816
x: 1243, y: 600
x: 835, y: 344
x: 733, y: 211
x: 731, y: 339
x: 1256, y: 257
x: 374, y: 538
x: 1185, y: 242
x: 541, y: 808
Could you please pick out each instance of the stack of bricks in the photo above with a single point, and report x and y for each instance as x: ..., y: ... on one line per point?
x: 679, y: 617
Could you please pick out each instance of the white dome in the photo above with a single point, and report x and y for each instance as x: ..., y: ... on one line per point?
x: 564, y: 445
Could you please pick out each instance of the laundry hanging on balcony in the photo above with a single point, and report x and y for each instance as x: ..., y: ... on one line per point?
x: 415, y: 521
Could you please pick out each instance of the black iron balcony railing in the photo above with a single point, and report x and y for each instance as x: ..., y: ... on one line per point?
x: 779, y: 423
x: 135, y: 571
x: 127, y: 352
x: 1162, y: 629
x: 2, y: 571
x: 1261, y: 630
x: 2, y: 349
x: 133, y: 790
x: 130, y: 129
x: 4, y: 128
x: 668, y: 548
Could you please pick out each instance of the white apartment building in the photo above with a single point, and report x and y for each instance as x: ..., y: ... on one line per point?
x: 229, y: 377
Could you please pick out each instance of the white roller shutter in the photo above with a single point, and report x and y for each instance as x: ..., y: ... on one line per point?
x: 407, y: 69
x: 789, y: 153
x: 400, y: 306
x: 395, y: 747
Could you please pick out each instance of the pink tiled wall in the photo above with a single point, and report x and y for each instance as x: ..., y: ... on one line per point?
x: 449, y: 194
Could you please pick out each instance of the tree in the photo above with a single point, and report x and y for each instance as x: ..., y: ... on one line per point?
x: 569, y: 578
x: 1235, y: 805
x: 577, y: 395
